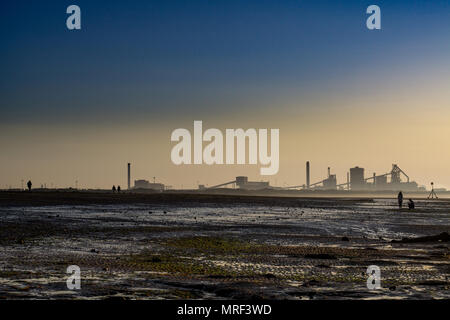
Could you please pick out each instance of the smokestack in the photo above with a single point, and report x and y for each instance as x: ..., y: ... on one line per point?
x: 307, y: 174
x: 329, y: 172
x: 129, y: 176
x: 348, y: 181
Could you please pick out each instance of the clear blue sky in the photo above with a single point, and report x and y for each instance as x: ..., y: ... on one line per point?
x: 135, y: 58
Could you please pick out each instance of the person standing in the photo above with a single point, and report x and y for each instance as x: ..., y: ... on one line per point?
x: 400, y: 200
x: 29, y: 184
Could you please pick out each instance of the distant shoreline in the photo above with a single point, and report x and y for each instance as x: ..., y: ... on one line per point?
x: 189, y: 198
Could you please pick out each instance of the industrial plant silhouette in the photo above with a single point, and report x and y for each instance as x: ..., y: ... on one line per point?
x: 356, y: 181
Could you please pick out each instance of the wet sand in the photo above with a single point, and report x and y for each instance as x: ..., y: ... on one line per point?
x: 187, y: 246
x: 50, y: 198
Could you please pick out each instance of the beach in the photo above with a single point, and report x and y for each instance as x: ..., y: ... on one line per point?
x: 208, y: 246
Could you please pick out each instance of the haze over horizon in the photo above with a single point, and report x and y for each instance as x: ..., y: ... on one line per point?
x: 80, y: 105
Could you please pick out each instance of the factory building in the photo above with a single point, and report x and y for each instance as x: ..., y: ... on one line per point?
x: 144, y: 184
x: 357, y: 182
x: 243, y: 183
x: 357, y: 178
x: 330, y: 183
x: 381, y: 181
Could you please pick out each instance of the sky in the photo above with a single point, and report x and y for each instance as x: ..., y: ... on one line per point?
x: 78, y: 105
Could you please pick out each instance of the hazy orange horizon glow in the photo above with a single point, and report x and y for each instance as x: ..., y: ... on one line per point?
x: 373, y: 131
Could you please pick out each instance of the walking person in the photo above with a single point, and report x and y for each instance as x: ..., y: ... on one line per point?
x: 400, y: 200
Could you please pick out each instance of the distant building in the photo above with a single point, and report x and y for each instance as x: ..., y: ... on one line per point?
x: 144, y: 184
x: 243, y: 183
x: 357, y: 178
x: 381, y: 182
x: 330, y: 182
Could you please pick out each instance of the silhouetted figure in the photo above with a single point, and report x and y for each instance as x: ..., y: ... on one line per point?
x: 400, y: 200
x: 411, y: 204
x: 114, y: 189
x: 29, y: 184
x: 118, y: 189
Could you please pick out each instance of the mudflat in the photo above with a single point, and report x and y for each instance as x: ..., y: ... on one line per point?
x: 49, y: 198
x: 192, y: 246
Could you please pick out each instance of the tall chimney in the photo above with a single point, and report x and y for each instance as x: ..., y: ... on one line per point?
x: 348, y: 181
x: 129, y: 176
x: 329, y: 172
x: 307, y: 174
